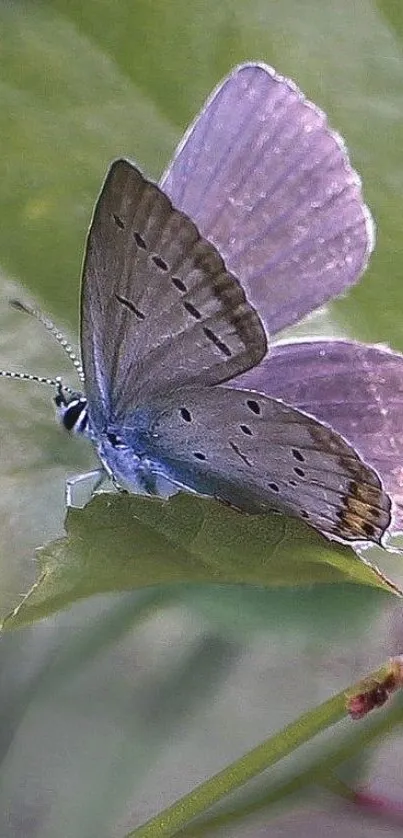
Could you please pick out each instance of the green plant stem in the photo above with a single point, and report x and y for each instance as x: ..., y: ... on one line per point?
x: 313, y: 774
x: 170, y: 821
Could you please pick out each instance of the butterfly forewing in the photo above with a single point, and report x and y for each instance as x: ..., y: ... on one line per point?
x: 258, y: 454
x: 268, y: 182
x: 159, y: 308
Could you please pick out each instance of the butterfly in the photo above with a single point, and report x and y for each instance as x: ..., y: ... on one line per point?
x: 260, y: 202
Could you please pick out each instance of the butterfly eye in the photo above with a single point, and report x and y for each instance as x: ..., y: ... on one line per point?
x: 73, y: 414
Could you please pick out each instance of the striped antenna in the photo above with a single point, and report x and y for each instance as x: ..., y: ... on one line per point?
x: 62, y: 341
x: 40, y: 379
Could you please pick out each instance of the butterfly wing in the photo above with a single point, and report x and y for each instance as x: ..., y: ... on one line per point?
x: 158, y: 308
x: 357, y: 389
x: 259, y: 454
x: 267, y: 181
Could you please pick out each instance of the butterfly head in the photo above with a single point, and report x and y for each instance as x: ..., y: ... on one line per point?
x: 71, y: 410
x: 71, y: 406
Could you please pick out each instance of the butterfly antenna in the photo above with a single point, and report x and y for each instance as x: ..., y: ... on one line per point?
x: 40, y: 379
x: 61, y: 339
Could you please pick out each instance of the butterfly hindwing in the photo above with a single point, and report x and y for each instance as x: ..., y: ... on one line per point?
x: 357, y: 389
x: 258, y: 453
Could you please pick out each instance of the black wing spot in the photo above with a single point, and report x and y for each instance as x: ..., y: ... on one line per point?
x: 186, y: 415
x: 299, y: 471
x: 160, y: 263
x: 178, y: 284
x: 140, y: 241
x: 240, y: 454
x: 246, y: 430
x: 118, y: 221
x: 139, y: 314
x: 297, y: 454
x: 274, y: 487
x: 199, y: 455
x: 304, y: 513
x: 217, y: 342
x: 192, y: 310
x: 254, y: 406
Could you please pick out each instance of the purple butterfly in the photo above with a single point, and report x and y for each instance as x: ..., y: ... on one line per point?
x: 258, y: 220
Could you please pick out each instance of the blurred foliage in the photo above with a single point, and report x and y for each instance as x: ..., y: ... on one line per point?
x: 119, y: 705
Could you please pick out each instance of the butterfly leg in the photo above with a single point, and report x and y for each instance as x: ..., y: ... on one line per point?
x: 157, y: 481
x: 116, y: 485
x: 72, y: 482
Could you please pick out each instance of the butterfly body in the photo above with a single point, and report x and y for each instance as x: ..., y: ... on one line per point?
x: 127, y: 458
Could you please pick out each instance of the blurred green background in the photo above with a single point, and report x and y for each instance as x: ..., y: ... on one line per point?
x: 114, y: 708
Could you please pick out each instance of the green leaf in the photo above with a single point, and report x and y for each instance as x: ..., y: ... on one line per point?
x: 120, y: 543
